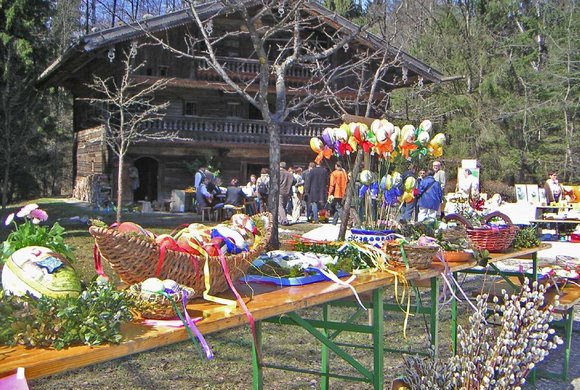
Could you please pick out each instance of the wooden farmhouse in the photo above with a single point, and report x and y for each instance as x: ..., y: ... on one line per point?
x: 214, y: 124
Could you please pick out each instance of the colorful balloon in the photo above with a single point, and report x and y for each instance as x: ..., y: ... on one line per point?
x: 426, y: 125
x: 366, y: 177
x: 423, y: 138
x: 316, y: 144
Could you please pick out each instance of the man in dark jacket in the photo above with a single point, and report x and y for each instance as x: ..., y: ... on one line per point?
x: 429, y: 198
x: 286, y: 179
x: 316, y: 186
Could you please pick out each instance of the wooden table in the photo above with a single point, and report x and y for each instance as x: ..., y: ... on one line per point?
x: 265, y: 302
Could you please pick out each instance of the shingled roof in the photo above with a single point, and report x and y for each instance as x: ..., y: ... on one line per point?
x: 79, y: 54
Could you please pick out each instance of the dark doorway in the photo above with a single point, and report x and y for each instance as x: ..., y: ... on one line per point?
x: 148, y: 169
x: 254, y: 169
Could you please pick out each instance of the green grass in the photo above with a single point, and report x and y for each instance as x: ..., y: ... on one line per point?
x: 180, y: 366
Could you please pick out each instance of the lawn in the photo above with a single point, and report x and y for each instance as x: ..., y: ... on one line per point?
x: 180, y: 366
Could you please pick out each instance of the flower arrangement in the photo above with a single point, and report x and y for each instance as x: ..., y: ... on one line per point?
x: 31, y: 232
x: 493, y: 357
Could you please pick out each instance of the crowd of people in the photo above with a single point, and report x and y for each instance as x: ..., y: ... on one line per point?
x: 305, y: 194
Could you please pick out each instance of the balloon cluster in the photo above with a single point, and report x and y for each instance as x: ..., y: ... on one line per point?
x: 382, y: 138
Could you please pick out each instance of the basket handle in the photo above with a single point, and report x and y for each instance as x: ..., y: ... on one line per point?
x: 460, y: 219
x: 497, y: 214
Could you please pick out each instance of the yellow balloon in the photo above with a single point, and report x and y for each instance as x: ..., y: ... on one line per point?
x: 410, y: 183
x: 316, y: 144
x: 389, y: 182
x: 438, y: 139
x: 353, y: 144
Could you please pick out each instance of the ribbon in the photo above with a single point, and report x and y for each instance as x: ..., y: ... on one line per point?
x: 98, y: 260
x: 326, y: 153
x: 189, y: 324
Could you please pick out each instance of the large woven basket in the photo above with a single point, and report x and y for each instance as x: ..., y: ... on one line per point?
x: 492, y: 238
x: 135, y: 259
x: 419, y: 257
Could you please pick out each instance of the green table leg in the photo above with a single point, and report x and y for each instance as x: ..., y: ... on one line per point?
x: 454, y: 318
x: 434, y: 315
x: 257, y: 371
x: 325, y: 364
x: 378, y: 339
x: 568, y: 325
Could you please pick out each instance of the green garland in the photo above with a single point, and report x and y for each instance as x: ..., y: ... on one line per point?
x: 94, y: 317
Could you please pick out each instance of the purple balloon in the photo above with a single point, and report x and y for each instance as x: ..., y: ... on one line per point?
x: 326, y: 137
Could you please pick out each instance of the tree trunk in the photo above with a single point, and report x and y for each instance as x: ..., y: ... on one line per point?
x: 120, y: 188
x: 273, y: 199
x: 349, y: 196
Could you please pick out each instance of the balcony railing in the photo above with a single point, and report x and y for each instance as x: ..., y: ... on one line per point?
x: 233, y: 130
x: 246, y: 69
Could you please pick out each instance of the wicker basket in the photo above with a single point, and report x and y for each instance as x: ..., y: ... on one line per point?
x: 491, y: 238
x: 135, y: 259
x: 157, y: 306
x: 419, y: 257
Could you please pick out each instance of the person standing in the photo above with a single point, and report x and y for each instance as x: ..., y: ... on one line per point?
x: 263, y: 189
x: 439, y: 175
x: 553, y: 188
x: 429, y: 197
x: 286, y: 181
x: 305, y: 174
x: 337, y: 190
x: 317, y: 189
x: 297, y: 191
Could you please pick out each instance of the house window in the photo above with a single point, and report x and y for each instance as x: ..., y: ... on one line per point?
x: 232, y: 47
x: 163, y: 70
x: 149, y: 72
x: 189, y: 108
x: 234, y: 109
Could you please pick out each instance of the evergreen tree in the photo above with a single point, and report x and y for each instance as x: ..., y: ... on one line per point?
x: 23, y: 40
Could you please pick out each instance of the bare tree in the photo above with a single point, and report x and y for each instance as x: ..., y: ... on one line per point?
x: 286, y: 37
x: 127, y: 105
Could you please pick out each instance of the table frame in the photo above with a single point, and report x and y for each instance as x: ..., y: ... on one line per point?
x: 267, y: 303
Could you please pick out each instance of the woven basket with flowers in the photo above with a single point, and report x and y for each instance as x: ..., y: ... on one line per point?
x: 136, y: 257
x: 416, y: 255
x: 159, y: 305
x: 492, y: 237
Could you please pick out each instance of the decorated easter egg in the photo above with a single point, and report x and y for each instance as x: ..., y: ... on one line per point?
x: 170, y: 286
x: 41, y: 272
x: 152, y: 286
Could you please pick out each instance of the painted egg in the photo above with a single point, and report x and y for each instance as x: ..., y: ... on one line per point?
x: 41, y: 272
x: 152, y: 285
x: 171, y: 286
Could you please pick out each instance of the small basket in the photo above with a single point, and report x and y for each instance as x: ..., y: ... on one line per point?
x: 135, y: 259
x: 492, y: 238
x: 157, y: 306
x: 419, y: 257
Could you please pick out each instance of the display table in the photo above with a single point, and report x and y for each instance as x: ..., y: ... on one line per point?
x: 265, y: 302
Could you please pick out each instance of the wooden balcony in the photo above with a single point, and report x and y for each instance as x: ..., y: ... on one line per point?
x: 234, y: 131
x: 247, y: 69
